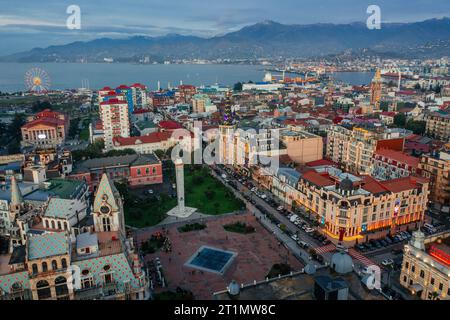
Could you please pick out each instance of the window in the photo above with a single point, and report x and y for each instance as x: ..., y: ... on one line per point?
x: 432, y: 281
x: 422, y: 274
x: 138, y: 172
x: 106, y: 224
x: 59, y: 225
x: 406, y: 265
x: 53, y: 224
x: 35, y: 268
x: 54, y: 265
x: 64, y: 263
x: 44, y: 267
x: 441, y: 286
x: 43, y: 290
x: 404, y: 278
x: 413, y: 269
x: 61, y: 286
x: 147, y: 170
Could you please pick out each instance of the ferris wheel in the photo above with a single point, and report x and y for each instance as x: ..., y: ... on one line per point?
x: 37, y: 80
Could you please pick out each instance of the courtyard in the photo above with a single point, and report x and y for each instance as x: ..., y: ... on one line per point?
x: 254, y: 254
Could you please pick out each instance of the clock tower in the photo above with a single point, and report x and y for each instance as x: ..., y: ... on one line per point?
x: 108, y: 208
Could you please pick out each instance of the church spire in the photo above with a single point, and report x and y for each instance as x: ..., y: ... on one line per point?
x: 108, y: 208
x: 16, y: 195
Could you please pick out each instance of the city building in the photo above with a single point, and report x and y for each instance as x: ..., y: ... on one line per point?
x: 426, y: 266
x: 101, y: 261
x: 202, y: 103
x: 349, y: 207
x: 115, y: 120
x: 133, y: 169
x: 436, y: 167
x: 390, y: 164
x: 438, y: 125
x: 46, y: 129
x: 302, y: 146
x: 354, y: 148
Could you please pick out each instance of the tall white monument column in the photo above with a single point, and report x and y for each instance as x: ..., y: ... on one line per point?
x: 179, y: 172
x: 180, y: 211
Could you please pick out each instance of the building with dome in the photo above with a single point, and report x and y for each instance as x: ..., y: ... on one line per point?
x: 426, y: 266
x: 69, y: 262
x: 341, y: 262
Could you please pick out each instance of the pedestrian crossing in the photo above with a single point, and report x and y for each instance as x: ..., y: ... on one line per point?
x: 327, y: 248
x: 358, y: 256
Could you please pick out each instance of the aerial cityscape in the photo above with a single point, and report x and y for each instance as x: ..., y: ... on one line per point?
x: 217, y: 155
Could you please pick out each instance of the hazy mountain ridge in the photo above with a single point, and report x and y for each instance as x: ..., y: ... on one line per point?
x: 265, y: 39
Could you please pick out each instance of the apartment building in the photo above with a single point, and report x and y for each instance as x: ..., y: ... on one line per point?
x: 115, y: 120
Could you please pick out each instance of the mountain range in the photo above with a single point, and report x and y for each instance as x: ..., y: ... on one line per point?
x: 266, y: 39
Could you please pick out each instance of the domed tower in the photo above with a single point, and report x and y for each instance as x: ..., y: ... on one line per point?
x: 16, y: 204
x: 341, y: 262
x: 226, y: 134
x: 346, y: 186
x: 108, y: 208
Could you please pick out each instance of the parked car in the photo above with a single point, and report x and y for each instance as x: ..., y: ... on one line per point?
x: 303, y: 244
x: 361, y: 247
x: 388, y: 240
x: 309, y: 230
x: 383, y: 242
x: 280, y: 208
x: 294, y: 237
x: 387, y: 262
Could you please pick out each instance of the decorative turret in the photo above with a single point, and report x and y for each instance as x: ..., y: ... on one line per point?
x: 228, y: 114
x: 16, y: 196
x: 418, y: 240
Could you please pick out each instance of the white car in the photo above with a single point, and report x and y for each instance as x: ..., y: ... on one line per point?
x: 254, y: 189
x: 150, y: 191
x: 387, y: 262
x: 309, y: 230
x: 294, y: 237
x: 280, y: 208
x: 263, y: 196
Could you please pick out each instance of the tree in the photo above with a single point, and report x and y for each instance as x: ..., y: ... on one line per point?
x: 237, y: 86
x: 38, y: 106
x: 400, y: 120
x: 417, y: 127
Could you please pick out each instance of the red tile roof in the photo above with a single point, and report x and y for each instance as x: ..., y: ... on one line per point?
x: 169, y: 125
x: 154, y: 137
x: 112, y: 101
x: 321, y: 162
x: 317, y: 179
x: 399, y: 157
x: 372, y: 185
x: 51, y: 122
x: 401, y: 184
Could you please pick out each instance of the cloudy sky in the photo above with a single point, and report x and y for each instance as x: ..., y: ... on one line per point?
x: 27, y: 24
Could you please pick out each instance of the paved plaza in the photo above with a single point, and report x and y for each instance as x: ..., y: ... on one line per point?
x: 256, y: 253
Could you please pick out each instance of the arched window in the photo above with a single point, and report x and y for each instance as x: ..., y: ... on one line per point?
x: 34, y: 267
x: 59, y: 225
x: 44, y: 267
x: 64, y: 263
x: 65, y: 225
x: 16, y: 291
x: 53, y: 224
x: 43, y: 290
x: 46, y: 224
x: 61, y: 286
x: 106, y: 224
x: 147, y: 170
x: 54, y: 265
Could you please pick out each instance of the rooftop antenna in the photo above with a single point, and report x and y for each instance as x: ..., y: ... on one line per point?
x: 159, y: 85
